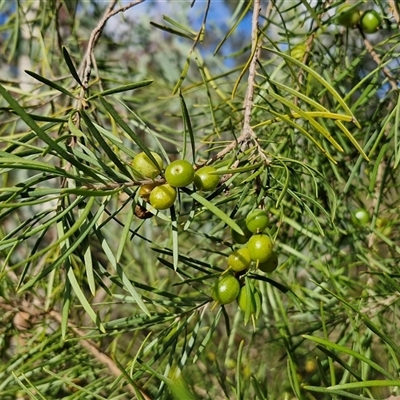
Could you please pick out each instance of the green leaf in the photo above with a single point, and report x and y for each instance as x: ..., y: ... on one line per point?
x: 104, y: 146
x: 60, y: 150
x: 82, y: 299
x: 110, y: 109
x: 121, y: 89
x: 50, y: 83
x: 219, y: 213
x: 350, y: 352
x: 187, y: 129
x: 365, y: 384
x: 70, y: 65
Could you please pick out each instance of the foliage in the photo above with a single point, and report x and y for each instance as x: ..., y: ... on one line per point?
x: 300, y: 116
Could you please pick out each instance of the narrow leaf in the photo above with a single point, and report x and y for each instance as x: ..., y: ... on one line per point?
x: 124, y: 88
x: 70, y: 65
x: 219, y: 213
x: 49, y: 83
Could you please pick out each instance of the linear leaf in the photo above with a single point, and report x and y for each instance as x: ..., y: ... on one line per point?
x: 219, y: 213
x: 61, y: 151
x: 123, y: 88
x: 105, y: 147
x: 110, y: 109
x: 70, y: 65
x: 364, y: 384
x: 82, y: 299
x: 319, y: 78
x: 350, y: 352
x: 49, y: 83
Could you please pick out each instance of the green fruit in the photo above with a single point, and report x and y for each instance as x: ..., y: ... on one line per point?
x: 237, y: 237
x: 226, y: 289
x: 145, y: 167
x: 239, y: 260
x: 249, y: 298
x: 384, y: 226
x: 179, y: 173
x: 260, y: 248
x: 145, y: 190
x: 162, y: 196
x: 347, y: 16
x: 256, y: 221
x: 370, y: 21
x: 298, y: 52
x: 360, y: 217
x: 205, y: 180
x: 270, y: 265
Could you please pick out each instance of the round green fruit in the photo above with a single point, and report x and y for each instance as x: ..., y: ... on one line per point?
x: 237, y: 237
x: 205, y: 180
x: 239, y: 260
x: 145, y: 190
x: 226, y: 289
x: 162, y: 196
x: 298, y: 52
x: 371, y: 21
x: 360, y: 217
x: 347, y: 16
x: 256, y: 221
x: 249, y: 298
x: 270, y: 265
x: 179, y: 173
x: 260, y: 248
x: 145, y: 167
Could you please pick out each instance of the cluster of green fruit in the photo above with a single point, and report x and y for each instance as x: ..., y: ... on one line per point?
x: 257, y: 252
x: 349, y: 16
x: 178, y: 174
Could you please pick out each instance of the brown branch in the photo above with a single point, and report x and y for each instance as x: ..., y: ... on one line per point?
x: 94, y: 37
x: 95, y: 351
x: 395, y: 10
x: 375, y: 56
x: 247, y: 133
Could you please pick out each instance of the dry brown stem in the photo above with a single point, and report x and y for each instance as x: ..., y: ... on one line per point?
x: 247, y: 134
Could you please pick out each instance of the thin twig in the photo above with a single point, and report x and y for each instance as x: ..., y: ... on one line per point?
x: 255, y: 49
x: 375, y: 56
x: 247, y: 133
x: 95, y: 351
x: 395, y: 10
x: 95, y: 35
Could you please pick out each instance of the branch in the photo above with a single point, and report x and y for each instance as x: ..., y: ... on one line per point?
x: 375, y: 56
x: 395, y: 10
x: 95, y: 35
x: 247, y: 133
x: 95, y: 351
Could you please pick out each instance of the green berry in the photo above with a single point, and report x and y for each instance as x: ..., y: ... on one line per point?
x: 205, y: 180
x: 162, y: 196
x: 360, y: 217
x: 237, y: 237
x: 249, y: 298
x: 270, y: 265
x: 298, y: 51
x: 347, y: 16
x: 260, y: 248
x: 145, y: 167
x: 179, y: 173
x: 370, y: 21
x: 145, y: 190
x: 226, y: 289
x: 239, y: 260
x: 257, y: 221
